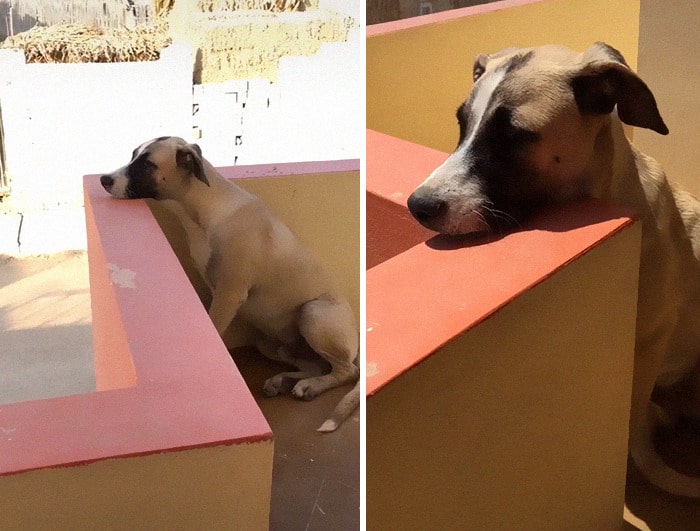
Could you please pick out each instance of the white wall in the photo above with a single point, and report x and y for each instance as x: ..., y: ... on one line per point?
x: 314, y: 111
x: 64, y: 121
x: 352, y: 8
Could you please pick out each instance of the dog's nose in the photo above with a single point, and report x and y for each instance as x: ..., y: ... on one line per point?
x: 107, y: 181
x: 425, y: 208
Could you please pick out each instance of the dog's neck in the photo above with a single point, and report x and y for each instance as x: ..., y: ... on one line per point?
x: 206, y: 203
x: 620, y: 170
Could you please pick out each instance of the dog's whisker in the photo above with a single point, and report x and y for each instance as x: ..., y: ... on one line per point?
x: 483, y: 220
x: 501, y: 215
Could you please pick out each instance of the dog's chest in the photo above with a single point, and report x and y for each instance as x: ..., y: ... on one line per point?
x: 200, y: 248
x: 201, y: 254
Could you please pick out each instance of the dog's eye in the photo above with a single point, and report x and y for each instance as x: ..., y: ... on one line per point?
x: 462, y: 122
x: 148, y: 164
x: 143, y: 162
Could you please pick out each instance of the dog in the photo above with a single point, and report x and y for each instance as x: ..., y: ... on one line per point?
x: 542, y: 126
x: 256, y: 269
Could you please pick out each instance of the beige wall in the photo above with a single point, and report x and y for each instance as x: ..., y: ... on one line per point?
x: 416, y: 78
x: 669, y: 61
x: 206, y: 488
x: 323, y: 210
x: 521, y: 422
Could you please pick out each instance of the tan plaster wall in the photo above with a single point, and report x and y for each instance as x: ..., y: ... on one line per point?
x: 669, y: 61
x: 522, y: 422
x: 207, y: 488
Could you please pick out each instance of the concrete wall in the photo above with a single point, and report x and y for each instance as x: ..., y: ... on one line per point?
x: 503, y: 430
x: 205, y: 488
x: 669, y: 61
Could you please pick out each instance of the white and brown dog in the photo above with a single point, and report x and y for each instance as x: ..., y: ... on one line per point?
x: 256, y: 269
x: 543, y: 126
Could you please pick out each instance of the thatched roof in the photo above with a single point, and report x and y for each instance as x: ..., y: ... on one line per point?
x: 80, y: 43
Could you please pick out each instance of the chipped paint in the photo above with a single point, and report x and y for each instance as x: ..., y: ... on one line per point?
x: 372, y: 369
x: 124, y: 278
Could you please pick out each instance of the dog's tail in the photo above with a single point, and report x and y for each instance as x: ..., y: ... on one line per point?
x: 652, y: 466
x: 345, y: 407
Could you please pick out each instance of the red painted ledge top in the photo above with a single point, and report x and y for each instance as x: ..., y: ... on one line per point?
x: 435, y: 290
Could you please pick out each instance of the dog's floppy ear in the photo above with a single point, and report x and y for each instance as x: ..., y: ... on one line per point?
x: 602, y: 84
x: 189, y: 158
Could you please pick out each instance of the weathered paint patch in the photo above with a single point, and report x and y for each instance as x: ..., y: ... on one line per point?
x: 124, y: 278
x: 372, y: 369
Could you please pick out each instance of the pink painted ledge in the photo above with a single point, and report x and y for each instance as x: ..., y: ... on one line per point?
x: 165, y: 381
x: 424, y: 290
x: 442, y: 16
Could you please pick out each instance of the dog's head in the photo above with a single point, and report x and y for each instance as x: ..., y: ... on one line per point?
x: 162, y: 168
x: 527, y: 136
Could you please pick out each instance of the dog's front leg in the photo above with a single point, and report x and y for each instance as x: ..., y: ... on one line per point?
x: 224, y: 307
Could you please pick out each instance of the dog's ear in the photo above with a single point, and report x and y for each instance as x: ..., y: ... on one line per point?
x: 600, y: 85
x: 189, y: 158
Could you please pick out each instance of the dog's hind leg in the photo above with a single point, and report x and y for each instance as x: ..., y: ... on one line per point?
x: 329, y: 328
x: 224, y: 307
x: 285, y: 381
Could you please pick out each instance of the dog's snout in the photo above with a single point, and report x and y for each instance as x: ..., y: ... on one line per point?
x: 107, y: 181
x: 425, y: 208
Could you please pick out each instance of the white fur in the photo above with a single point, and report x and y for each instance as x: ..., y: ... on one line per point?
x: 483, y: 90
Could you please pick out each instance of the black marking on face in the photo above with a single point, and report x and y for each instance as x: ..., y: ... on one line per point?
x: 462, y: 119
x: 141, y: 182
x: 496, y: 156
x: 498, y: 160
x: 465, y: 110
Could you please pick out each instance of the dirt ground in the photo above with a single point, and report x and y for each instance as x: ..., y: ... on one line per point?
x: 45, y: 327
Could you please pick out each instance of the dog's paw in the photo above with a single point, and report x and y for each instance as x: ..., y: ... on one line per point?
x: 277, y: 385
x: 270, y: 389
x: 328, y: 426
x: 305, y: 390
